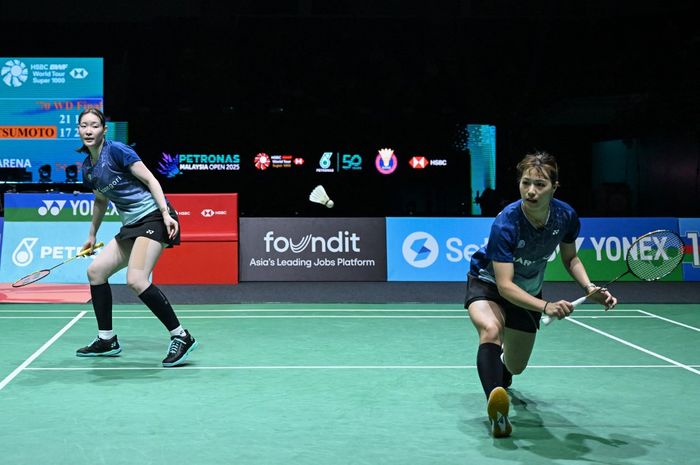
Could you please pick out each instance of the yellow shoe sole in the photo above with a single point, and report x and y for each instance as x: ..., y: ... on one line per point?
x: 497, y: 408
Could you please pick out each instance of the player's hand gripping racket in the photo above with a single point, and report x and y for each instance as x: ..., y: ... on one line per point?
x: 649, y: 258
x: 41, y: 274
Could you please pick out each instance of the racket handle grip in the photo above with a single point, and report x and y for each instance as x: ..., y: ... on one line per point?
x: 90, y: 251
x: 546, y: 319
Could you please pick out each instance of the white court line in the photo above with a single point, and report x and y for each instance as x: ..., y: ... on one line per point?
x: 234, y: 317
x: 41, y: 350
x: 229, y: 317
x: 598, y: 317
x: 262, y: 310
x: 653, y: 315
x: 634, y: 346
x: 34, y: 317
x: 340, y: 367
x: 294, y: 310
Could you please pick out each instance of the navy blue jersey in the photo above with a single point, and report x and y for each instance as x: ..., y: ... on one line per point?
x: 112, y: 178
x: 513, y: 239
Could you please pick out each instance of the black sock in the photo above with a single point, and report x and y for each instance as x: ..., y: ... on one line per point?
x: 156, y: 301
x: 102, y: 304
x: 489, y: 366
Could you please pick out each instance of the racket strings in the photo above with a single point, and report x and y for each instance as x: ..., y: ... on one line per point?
x: 655, y: 255
x: 30, y: 278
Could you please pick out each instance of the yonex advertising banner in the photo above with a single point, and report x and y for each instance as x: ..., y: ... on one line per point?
x: 602, y: 246
x: 433, y: 249
x: 312, y: 249
x: 50, y: 207
x: 32, y: 246
x: 689, y: 229
x: 43, y: 230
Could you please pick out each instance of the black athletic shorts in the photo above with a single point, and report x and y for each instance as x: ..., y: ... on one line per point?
x: 516, y: 317
x: 152, y: 227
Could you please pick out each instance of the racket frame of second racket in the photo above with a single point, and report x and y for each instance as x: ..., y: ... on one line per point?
x: 46, y: 271
x: 546, y: 319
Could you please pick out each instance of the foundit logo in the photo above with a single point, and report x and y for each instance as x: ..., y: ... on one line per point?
x: 420, y: 249
x: 343, y: 242
x: 14, y: 73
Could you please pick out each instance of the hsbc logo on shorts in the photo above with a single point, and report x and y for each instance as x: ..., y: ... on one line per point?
x: 208, y: 212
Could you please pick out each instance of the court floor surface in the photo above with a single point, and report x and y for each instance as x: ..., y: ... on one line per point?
x: 345, y: 384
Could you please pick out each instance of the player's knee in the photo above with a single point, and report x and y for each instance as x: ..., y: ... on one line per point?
x: 490, y: 332
x: 137, y: 284
x: 516, y: 368
x: 95, y: 275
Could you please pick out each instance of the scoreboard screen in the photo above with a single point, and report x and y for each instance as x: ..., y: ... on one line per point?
x: 40, y: 100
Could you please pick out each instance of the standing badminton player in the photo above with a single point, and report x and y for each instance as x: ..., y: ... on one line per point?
x: 115, y: 172
x: 504, y: 284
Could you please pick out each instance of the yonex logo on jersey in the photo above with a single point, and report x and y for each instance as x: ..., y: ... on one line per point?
x: 51, y: 206
x: 521, y: 243
x: 420, y: 249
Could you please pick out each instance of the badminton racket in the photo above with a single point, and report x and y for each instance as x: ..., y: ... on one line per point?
x: 41, y: 274
x: 651, y: 257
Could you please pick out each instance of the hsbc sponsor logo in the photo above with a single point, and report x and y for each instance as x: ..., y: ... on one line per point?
x: 208, y: 212
x: 281, y: 161
x: 78, y: 73
x: 419, y: 162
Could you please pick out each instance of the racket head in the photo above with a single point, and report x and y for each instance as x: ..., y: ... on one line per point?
x: 655, y: 255
x: 31, y: 278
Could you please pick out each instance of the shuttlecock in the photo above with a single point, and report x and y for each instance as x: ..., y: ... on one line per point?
x: 319, y: 195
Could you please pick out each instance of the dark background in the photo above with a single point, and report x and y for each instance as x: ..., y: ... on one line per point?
x: 301, y: 75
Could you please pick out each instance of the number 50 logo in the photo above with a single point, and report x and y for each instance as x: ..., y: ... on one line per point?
x: 351, y: 162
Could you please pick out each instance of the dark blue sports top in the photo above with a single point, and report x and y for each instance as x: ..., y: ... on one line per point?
x: 112, y: 178
x: 513, y: 239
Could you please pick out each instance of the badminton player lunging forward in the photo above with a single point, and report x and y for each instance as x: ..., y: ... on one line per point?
x: 504, y: 285
x: 115, y: 172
